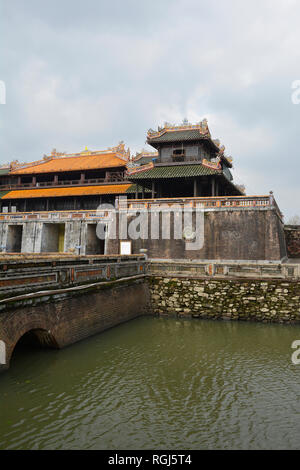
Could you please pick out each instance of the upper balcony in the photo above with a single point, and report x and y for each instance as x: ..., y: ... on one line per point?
x: 111, y: 177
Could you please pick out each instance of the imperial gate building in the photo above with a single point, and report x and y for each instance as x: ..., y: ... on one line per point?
x: 50, y: 205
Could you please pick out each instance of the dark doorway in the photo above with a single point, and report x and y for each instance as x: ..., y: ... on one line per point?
x: 14, y: 238
x: 53, y: 238
x: 94, y: 245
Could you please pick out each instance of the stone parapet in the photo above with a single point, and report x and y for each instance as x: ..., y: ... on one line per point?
x: 231, y: 269
x: 24, y: 274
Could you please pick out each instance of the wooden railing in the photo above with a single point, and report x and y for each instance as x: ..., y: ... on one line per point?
x: 43, y: 184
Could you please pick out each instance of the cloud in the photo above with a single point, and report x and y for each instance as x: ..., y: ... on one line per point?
x: 94, y: 73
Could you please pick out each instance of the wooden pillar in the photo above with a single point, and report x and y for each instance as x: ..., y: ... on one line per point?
x: 19, y: 181
x: 82, y: 177
x: 143, y: 192
x: 136, y: 192
x: 213, y: 187
x: 47, y: 204
x: 195, y: 188
x: 55, y: 179
x: 33, y: 180
x: 199, y: 188
x: 217, y: 187
x: 153, y: 190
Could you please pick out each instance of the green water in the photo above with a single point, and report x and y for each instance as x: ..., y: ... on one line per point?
x: 157, y: 384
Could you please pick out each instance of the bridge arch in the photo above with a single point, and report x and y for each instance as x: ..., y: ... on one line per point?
x: 39, y: 337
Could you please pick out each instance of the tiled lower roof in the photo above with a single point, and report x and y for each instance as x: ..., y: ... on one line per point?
x: 65, y: 192
x: 174, y: 171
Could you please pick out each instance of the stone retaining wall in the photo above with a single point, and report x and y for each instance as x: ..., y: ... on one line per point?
x: 253, y: 300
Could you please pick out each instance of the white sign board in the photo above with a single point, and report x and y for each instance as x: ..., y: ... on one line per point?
x: 125, y: 248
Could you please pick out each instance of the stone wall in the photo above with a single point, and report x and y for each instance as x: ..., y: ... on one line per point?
x: 271, y: 300
x: 292, y: 235
x: 229, y: 234
x: 253, y: 231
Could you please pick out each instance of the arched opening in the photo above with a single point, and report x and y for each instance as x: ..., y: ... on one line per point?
x: 34, y: 339
x: 38, y: 338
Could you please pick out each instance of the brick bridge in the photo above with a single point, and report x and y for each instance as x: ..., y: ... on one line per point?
x: 41, y: 298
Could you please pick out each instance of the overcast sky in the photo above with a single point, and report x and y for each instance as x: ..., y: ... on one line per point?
x: 93, y: 72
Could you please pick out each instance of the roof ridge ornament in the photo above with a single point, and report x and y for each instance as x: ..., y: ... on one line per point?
x: 213, y: 165
x: 86, y: 151
x: 55, y: 153
x: 202, y: 126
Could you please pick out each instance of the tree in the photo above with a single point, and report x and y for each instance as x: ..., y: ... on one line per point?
x: 295, y: 220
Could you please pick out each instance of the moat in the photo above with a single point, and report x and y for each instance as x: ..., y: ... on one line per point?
x: 157, y: 383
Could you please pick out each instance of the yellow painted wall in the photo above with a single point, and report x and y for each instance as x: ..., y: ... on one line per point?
x: 61, y: 238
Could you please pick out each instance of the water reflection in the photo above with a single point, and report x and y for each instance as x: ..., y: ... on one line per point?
x: 157, y: 383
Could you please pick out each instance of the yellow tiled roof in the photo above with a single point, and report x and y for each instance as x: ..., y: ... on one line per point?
x: 82, y: 162
x: 63, y: 192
